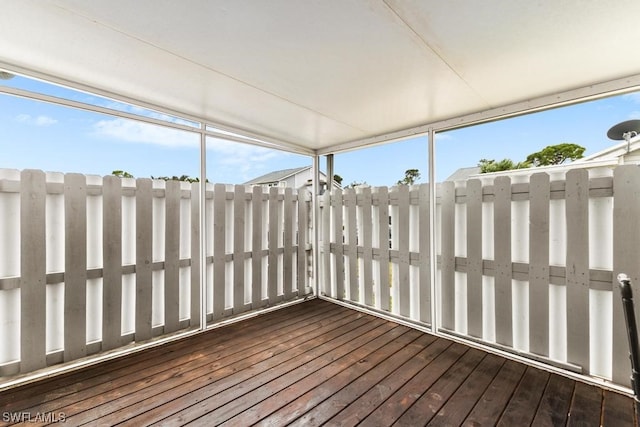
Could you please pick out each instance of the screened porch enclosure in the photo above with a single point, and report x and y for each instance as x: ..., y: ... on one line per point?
x: 97, y: 268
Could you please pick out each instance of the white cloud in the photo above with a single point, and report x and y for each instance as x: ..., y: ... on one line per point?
x: 633, y: 97
x: 248, y: 160
x: 236, y: 149
x: 36, y: 121
x: 243, y: 158
x: 138, y: 132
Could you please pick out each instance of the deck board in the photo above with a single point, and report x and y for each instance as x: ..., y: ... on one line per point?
x: 316, y: 363
x: 524, y: 403
x: 494, y: 400
x: 455, y: 410
x: 617, y: 410
x: 432, y: 400
x: 586, y: 406
x: 361, y: 407
x: 326, y: 407
x: 555, y: 402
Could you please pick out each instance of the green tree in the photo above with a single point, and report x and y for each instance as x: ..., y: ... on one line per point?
x: 556, y: 154
x: 488, y: 166
x: 122, y: 174
x: 549, y: 155
x: 355, y: 184
x: 410, y: 177
x: 185, y: 178
x: 337, y: 178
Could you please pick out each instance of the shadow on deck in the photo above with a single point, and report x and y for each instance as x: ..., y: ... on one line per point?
x: 309, y: 364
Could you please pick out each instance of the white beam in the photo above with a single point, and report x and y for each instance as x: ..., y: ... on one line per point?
x: 561, y: 99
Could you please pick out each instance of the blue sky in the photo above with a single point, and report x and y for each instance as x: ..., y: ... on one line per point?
x: 38, y: 135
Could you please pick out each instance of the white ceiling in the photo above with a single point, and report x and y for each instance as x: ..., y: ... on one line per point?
x: 323, y: 74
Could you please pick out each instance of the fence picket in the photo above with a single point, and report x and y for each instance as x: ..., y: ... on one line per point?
x: 424, y: 245
x: 474, y: 258
x: 144, y: 259
x: 219, y: 249
x: 626, y: 241
x: 503, y: 264
x: 287, y: 268
x: 75, y: 274
x: 447, y: 278
x: 404, y: 291
x: 274, y: 233
x: 195, y: 254
x: 302, y: 230
x: 384, y: 260
x: 367, y: 255
x: 577, y: 261
x: 238, y: 248
x: 172, y: 257
x: 326, y: 243
x: 32, y: 270
x: 337, y: 203
x: 352, y: 243
x: 111, y: 262
x: 256, y: 247
x: 539, y: 199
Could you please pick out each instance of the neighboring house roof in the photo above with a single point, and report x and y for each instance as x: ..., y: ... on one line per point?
x: 276, y: 176
x: 463, y: 173
x: 614, y: 151
x: 283, y: 175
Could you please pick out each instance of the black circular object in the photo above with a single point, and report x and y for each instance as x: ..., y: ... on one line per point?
x: 617, y: 132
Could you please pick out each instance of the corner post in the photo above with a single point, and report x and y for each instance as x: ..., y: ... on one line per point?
x: 435, y: 324
x: 315, y: 207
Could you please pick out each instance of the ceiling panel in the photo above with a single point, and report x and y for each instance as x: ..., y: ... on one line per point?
x: 513, y: 50
x: 319, y: 73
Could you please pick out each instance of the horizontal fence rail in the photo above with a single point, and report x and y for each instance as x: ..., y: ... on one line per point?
x: 89, y: 264
x: 526, y: 264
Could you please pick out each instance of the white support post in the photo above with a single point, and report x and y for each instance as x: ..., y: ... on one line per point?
x: 315, y: 207
x: 432, y: 231
x: 330, y: 172
x: 203, y: 230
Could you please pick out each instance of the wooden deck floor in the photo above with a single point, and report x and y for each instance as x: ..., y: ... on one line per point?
x: 310, y: 364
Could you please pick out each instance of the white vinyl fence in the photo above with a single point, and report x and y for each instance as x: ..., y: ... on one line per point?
x: 89, y: 264
x: 525, y: 263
